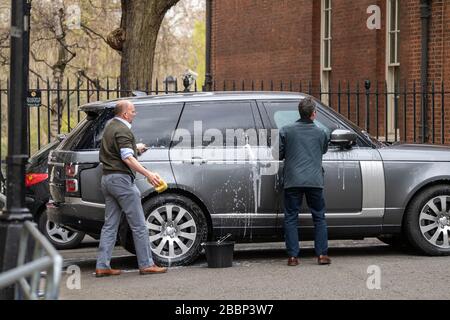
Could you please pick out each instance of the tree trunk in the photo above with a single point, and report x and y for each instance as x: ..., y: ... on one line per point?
x: 141, y: 20
x: 56, y: 118
x: 58, y: 70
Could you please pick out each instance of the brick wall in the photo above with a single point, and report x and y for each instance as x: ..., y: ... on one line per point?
x: 439, y: 59
x: 279, y: 41
x: 262, y: 40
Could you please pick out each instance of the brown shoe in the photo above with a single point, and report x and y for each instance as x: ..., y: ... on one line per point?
x: 323, y: 260
x: 107, y: 272
x: 153, y: 269
x: 292, y: 261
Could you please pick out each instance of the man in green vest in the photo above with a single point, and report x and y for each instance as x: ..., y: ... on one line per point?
x: 118, y: 152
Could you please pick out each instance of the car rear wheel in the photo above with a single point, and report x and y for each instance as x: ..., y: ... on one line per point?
x: 177, y: 227
x: 428, y: 221
x: 61, y: 238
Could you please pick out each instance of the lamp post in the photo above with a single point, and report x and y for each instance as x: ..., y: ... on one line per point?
x: 16, y: 213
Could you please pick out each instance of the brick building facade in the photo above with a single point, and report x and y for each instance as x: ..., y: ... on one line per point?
x: 323, y: 44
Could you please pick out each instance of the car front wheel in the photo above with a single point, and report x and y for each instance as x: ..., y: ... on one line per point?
x: 177, y: 227
x: 428, y: 221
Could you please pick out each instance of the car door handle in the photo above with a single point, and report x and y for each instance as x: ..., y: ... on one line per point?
x: 196, y: 160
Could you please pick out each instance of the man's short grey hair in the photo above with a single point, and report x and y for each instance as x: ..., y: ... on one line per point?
x: 121, y: 107
x: 306, y: 108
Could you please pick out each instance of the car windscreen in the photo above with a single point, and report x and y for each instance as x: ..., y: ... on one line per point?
x: 350, y: 124
x: 92, y: 135
x: 87, y: 134
x: 74, y: 135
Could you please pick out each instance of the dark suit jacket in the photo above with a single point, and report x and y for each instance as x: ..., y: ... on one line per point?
x: 302, y: 146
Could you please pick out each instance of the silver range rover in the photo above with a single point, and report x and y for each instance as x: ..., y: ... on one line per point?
x: 218, y: 154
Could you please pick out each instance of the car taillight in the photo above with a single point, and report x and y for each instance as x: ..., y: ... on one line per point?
x: 71, y: 185
x: 34, y: 178
x: 71, y: 170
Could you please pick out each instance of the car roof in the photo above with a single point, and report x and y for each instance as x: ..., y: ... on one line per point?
x: 196, y: 97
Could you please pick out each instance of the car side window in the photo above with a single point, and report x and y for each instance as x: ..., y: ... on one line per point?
x: 283, y: 113
x: 219, y: 123
x: 155, y: 124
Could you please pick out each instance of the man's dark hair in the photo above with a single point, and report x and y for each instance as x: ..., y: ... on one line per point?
x: 306, y: 108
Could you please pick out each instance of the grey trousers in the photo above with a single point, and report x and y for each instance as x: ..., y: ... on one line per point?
x: 122, y: 195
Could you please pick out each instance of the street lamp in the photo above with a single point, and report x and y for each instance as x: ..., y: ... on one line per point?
x: 170, y: 84
x: 16, y: 213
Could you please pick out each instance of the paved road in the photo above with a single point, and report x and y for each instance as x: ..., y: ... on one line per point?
x: 259, y: 272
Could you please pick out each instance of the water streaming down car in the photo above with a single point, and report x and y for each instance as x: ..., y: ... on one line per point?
x: 218, y: 154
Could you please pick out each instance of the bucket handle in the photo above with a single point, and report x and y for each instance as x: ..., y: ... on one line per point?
x: 218, y: 241
x: 223, y: 238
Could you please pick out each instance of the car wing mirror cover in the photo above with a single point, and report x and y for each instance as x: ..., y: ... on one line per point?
x: 343, y: 137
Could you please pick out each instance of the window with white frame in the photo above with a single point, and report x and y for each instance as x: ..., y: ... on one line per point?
x: 326, y: 33
x: 392, y: 61
x: 325, y: 51
x: 393, y: 32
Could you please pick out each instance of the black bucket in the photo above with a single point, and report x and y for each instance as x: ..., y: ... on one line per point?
x: 219, y: 255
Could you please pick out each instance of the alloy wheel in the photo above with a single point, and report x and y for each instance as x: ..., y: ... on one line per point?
x: 434, y: 221
x: 59, y: 234
x: 172, y: 231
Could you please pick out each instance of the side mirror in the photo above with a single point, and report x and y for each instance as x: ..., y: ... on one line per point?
x: 343, y: 138
x: 61, y: 137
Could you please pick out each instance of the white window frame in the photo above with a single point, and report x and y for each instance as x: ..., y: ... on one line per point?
x: 393, y: 31
x: 392, y: 65
x: 325, y: 55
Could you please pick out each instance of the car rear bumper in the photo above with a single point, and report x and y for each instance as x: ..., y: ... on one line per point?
x: 77, y: 216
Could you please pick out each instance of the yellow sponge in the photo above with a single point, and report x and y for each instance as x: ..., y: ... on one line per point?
x: 162, y: 186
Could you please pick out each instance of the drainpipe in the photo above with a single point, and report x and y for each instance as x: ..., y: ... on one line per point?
x: 425, y: 15
x: 208, y: 75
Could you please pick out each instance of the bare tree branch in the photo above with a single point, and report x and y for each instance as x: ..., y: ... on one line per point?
x: 82, y: 74
x: 37, y: 74
x: 89, y: 31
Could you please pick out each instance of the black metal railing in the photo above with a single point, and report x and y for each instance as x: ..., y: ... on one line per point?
x: 38, y: 272
x: 59, y: 114
x: 389, y: 114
